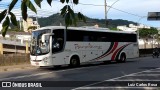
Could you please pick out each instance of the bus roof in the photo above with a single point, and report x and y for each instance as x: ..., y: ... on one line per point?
x: 85, y: 28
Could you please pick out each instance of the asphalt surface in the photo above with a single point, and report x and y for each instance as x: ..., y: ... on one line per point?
x: 99, y: 76
x: 18, y: 67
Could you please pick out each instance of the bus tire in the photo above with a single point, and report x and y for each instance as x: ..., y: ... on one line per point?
x: 74, y: 62
x: 123, y: 57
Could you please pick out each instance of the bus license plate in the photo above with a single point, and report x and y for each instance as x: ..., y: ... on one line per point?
x: 37, y: 63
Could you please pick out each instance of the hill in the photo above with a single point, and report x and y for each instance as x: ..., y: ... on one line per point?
x: 56, y: 20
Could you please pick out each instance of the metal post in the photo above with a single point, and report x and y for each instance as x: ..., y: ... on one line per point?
x: 27, y: 48
x: 106, y: 11
x: 1, y: 48
x: 105, y: 8
x: 37, y: 19
x: 138, y: 23
x: 15, y: 48
x: 20, y: 24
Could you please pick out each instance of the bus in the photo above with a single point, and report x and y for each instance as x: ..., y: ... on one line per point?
x: 56, y: 46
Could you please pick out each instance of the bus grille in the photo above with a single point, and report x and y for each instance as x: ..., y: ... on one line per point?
x: 37, y: 60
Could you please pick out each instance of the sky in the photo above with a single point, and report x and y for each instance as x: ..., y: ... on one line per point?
x: 132, y: 10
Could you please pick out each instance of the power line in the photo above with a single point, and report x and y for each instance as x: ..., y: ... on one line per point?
x: 109, y: 7
x: 113, y: 8
x: 125, y: 12
x: 44, y: 10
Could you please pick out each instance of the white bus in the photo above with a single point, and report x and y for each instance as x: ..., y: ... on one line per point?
x: 54, y: 46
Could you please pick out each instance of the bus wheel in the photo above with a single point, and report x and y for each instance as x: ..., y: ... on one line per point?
x: 74, y: 62
x: 122, y: 58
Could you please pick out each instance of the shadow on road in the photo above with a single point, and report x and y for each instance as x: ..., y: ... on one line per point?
x: 66, y: 67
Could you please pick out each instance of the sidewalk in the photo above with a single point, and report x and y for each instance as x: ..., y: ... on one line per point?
x: 16, y: 67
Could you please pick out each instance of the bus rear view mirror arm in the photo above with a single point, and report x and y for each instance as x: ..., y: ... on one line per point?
x: 44, y: 36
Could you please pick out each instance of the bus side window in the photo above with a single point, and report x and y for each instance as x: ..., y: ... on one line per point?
x: 86, y: 38
x: 57, y: 41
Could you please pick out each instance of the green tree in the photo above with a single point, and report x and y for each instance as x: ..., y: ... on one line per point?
x: 7, y: 15
x: 114, y: 29
x: 145, y: 34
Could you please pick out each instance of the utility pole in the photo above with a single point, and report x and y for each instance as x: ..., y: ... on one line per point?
x: 105, y: 8
x: 37, y: 21
x: 20, y: 24
x: 37, y: 17
x: 106, y: 11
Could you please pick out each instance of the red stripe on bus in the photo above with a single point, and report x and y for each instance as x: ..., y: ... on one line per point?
x: 114, y: 48
x: 115, y: 53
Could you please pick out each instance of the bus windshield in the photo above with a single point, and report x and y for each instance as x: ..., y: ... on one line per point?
x: 37, y: 46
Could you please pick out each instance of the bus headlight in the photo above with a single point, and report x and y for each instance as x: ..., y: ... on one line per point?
x: 45, y: 59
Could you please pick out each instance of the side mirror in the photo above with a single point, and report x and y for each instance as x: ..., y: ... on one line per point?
x: 46, y: 36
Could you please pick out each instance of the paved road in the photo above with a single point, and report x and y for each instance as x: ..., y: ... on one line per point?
x: 93, y: 76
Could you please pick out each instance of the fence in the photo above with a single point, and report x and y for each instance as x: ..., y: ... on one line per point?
x: 13, y: 59
x: 147, y: 51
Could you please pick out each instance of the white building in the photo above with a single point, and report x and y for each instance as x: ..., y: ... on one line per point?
x: 125, y: 28
x: 19, y: 36
x: 139, y: 26
x: 132, y: 27
x: 30, y: 22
